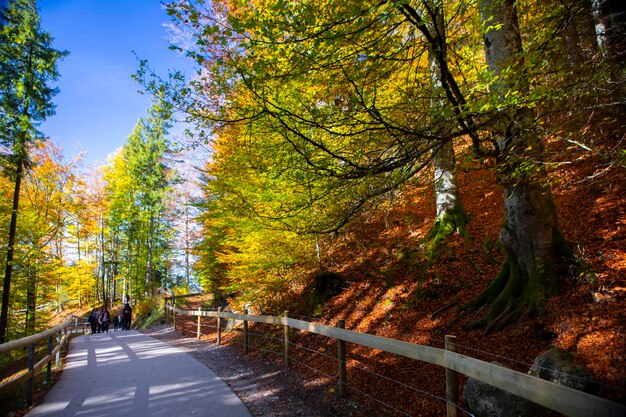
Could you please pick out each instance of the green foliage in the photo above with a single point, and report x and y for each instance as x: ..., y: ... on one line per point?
x: 28, y: 63
x: 148, y: 312
x: 138, y: 194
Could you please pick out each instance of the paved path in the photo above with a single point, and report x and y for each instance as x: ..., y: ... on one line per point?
x: 132, y: 375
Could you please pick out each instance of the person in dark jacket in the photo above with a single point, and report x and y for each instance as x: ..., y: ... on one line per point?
x: 93, y: 320
x: 105, y: 318
x: 127, y: 314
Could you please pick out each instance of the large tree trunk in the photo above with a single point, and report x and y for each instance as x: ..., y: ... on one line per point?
x: 530, y: 234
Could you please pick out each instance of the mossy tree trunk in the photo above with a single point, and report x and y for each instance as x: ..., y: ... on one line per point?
x: 530, y: 235
x: 451, y: 216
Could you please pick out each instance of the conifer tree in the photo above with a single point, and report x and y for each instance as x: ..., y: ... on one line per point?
x: 28, y: 63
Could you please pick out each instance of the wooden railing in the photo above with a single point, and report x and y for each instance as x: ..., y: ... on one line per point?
x: 553, y: 396
x: 57, y: 337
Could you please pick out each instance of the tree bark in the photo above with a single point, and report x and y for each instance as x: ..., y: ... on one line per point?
x: 102, y: 260
x: 530, y: 235
x: 31, y: 300
x: 451, y: 216
x: 149, y: 268
x: 612, y: 17
x: 6, y: 289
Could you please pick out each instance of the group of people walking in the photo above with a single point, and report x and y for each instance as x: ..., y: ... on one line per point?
x: 100, y: 319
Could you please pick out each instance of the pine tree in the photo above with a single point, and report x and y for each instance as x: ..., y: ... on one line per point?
x: 27, y: 66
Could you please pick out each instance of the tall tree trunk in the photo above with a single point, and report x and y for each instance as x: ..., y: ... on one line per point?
x: 31, y: 300
x: 102, y: 265
x: 6, y: 289
x: 611, y: 15
x: 530, y: 234
x: 137, y: 255
x: 128, y: 291
x: 149, y: 271
x: 187, y: 246
x: 114, y: 268
x: 451, y: 216
x: 579, y: 38
x: 78, y: 239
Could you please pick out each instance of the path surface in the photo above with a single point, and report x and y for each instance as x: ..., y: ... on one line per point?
x: 130, y: 374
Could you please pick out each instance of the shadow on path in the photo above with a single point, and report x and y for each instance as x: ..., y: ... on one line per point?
x: 130, y: 374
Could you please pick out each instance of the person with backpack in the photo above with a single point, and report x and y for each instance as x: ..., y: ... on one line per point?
x: 105, y: 317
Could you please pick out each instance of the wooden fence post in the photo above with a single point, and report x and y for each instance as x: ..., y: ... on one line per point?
x: 245, y: 333
x: 57, y: 362
x: 451, y: 381
x: 165, y: 309
x: 341, y: 359
x: 49, y: 365
x: 219, y: 327
x: 174, y: 313
x: 287, y: 340
x: 76, y: 325
x: 199, y: 317
x: 31, y: 367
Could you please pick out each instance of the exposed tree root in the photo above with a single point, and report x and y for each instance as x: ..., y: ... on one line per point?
x: 453, y: 221
x: 513, y: 296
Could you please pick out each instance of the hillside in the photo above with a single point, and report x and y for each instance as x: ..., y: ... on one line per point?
x: 393, y: 290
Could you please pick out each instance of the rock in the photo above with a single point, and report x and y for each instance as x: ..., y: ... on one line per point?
x: 557, y: 365
x: 485, y: 400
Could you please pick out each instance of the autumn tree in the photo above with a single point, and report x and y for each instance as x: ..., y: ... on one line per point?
x: 145, y: 155
x: 357, y: 117
x: 359, y: 98
x: 369, y: 115
x: 138, y: 232
x: 240, y: 250
x: 27, y: 66
x: 45, y: 209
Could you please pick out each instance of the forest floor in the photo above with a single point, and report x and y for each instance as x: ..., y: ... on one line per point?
x: 391, y: 289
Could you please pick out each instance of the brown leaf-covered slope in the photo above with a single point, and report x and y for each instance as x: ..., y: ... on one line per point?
x: 393, y: 289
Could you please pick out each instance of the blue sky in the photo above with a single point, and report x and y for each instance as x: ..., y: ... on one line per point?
x: 99, y: 104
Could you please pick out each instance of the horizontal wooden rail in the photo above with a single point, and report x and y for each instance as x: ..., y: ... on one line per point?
x: 35, y: 338
x: 554, y: 396
x: 25, y: 375
x: 30, y: 341
x: 176, y: 297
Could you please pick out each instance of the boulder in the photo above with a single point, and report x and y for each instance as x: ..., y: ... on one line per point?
x: 485, y: 400
x: 557, y: 365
